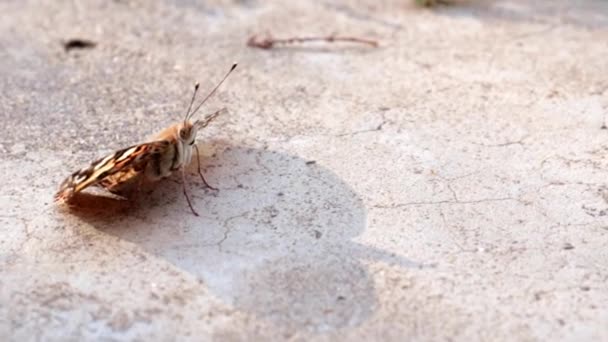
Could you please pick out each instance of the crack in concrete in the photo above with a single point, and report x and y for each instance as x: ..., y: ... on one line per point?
x: 289, y: 138
x: 519, y: 142
x: 455, y: 198
x: 454, y: 195
x: 407, y: 204
x: 227, y: 230
x: 375, y: 129
x: 594, y: 164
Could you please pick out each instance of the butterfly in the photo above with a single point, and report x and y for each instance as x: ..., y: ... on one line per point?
x: 124, y: 171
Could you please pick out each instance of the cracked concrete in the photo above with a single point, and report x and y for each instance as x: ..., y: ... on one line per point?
x: 447, y: 185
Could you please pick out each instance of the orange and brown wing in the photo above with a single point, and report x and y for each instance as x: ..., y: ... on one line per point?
x: 130, y: 158
x: 123, y: 180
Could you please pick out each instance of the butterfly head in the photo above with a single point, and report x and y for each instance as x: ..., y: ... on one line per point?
x: 187, y: 133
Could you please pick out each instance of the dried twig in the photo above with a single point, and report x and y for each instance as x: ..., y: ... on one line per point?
x: 268, y: 42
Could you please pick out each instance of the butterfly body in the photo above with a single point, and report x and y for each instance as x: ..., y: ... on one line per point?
x: 177, y: 154
x: 120, y: 172
x: 171, y: 150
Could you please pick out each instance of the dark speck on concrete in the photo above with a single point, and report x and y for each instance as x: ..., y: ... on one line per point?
x: 318, y: 234
x: 78, y: 44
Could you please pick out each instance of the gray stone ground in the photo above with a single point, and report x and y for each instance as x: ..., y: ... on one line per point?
x: 459, y: 190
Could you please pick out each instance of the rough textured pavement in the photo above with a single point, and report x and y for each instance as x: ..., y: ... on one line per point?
x: 450, y: 184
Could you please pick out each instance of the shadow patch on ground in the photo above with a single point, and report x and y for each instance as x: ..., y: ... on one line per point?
x: 275, y: 241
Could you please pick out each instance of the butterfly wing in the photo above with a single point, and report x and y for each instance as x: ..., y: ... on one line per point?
x: 122, y: 182
x: 125, y: 161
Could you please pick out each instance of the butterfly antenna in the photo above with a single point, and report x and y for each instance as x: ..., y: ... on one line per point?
x: 213, y: 91
x: 191, y: 101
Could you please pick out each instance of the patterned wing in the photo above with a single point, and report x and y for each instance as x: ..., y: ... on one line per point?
x: 122, y: 182
x: 125, y: 160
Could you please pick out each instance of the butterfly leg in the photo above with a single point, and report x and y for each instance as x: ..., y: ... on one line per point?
x: 184, y: 185
x: 198, y: 161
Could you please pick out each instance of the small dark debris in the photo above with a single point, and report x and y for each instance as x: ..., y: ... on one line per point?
x: 280, y: 194
x: 432, y: 3
x: 585, y: 288
x: 561, y: 322
x: 318, y: 234
x: 604, y: 126
x: 311, y: 162
x: 568, y: 246
x: 78, y: 44
x: 341, y: 298
x: 240, y: 186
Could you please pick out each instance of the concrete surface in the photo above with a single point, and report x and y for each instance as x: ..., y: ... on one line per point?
x: 448, y: 185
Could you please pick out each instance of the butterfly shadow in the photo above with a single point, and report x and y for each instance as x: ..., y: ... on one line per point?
x: 276, y: 240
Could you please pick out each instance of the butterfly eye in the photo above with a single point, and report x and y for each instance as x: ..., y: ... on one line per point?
x: 183, y: 134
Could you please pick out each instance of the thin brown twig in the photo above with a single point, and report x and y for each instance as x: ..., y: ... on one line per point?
x: 269, y: 42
